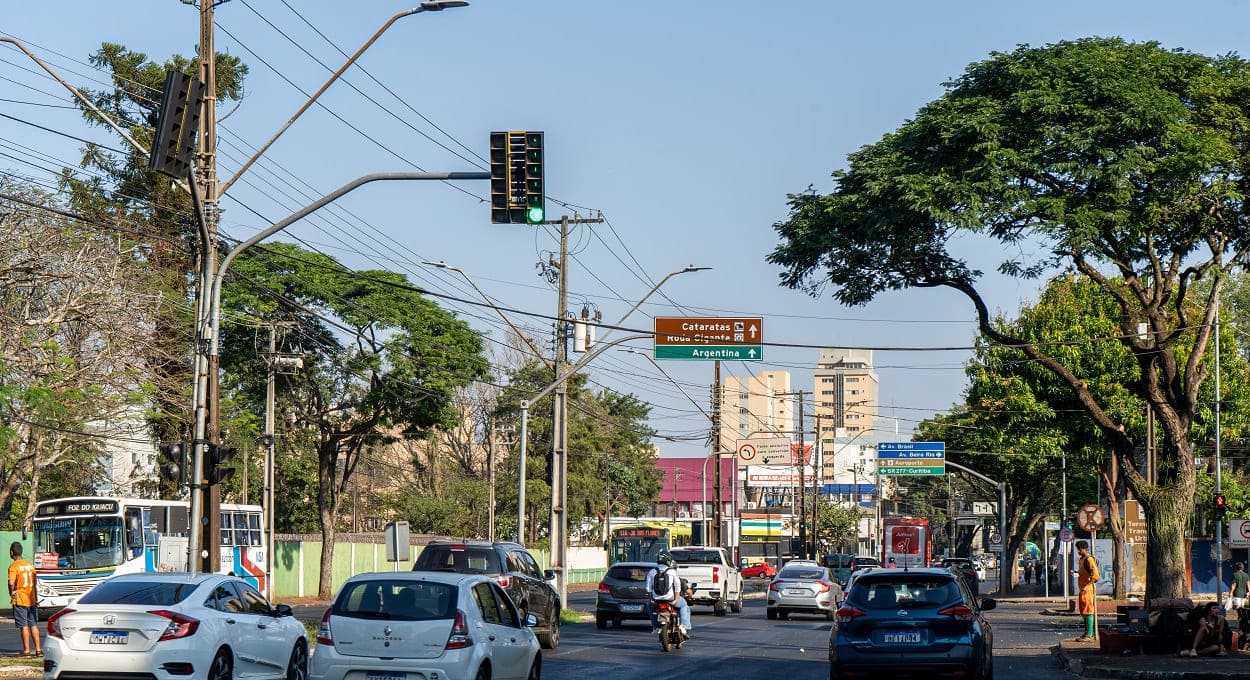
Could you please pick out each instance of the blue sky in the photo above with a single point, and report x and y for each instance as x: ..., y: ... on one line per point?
x: 685, y: 123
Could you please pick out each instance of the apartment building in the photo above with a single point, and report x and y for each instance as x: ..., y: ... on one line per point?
x: 754, y: 406
x: 846, y: 392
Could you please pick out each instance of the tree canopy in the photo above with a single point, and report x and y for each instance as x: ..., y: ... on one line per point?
x: 1123, y: 162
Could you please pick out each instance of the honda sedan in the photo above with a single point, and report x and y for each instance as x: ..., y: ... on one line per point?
x: 922, y: 622
x: 175, y: 625
x: 408, y: 625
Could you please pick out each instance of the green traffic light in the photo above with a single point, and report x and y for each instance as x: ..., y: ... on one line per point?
x: 534, y: 215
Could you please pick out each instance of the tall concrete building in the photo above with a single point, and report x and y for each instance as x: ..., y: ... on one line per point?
x: 754, y: 405
x: 846, y: 392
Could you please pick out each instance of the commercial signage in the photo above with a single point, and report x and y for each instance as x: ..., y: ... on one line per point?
x: 709, y: 338
x: 781, y: 475
x: 911, y: 458
x: 1135, y: 523
x: 765, y: 451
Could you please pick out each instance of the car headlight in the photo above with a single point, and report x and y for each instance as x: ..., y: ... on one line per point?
x: 45, y: 590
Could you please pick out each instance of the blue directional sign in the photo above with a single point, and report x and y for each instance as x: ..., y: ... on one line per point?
x: 911, y: 458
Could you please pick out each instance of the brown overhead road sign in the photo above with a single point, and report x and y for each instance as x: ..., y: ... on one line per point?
x: 677, y: 330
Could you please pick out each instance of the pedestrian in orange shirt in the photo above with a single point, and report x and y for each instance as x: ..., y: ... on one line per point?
x: 1087, y: 581
x: 25, y: 603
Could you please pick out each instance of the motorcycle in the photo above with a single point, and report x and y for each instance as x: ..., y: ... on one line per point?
x: 666, y: 615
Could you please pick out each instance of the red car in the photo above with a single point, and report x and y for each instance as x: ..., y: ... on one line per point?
x: 758, y: 570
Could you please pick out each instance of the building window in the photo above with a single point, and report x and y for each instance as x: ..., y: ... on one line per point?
x: 850, y: 379
x: 828, y: 380
x: 823, y: 393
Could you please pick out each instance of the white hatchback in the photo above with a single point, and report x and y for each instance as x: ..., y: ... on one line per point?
x: 175, y: 625
x: 421, y: 625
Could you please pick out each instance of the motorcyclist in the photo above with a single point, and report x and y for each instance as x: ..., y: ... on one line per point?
x: 672, y: 594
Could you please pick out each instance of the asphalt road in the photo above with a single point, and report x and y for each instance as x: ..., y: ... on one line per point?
x: 747, y: 646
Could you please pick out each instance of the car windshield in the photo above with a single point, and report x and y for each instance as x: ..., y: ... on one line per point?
x: 802, y: 573
x: 866, y: 562
x: 155, y: 593
x: 696, y: 557
x: 398, y: 600
x: 636, y: 574
x: 461, y: 559
x: 915, y: 590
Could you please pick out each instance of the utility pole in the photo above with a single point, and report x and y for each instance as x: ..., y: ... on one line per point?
x: 818, y: 478
x: 716, y: 536
x: 205, y: 514
x: 802, y: 459
x: 490, y: 480
x: 559, y: 427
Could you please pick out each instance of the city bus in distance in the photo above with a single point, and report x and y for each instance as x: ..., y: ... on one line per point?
x: 643, y: 541
x: 907, y: 540
x: 81, y: 541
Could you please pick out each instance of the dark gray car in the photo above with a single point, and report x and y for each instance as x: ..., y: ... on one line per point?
x: 623, y: 594
x: 512, y: 567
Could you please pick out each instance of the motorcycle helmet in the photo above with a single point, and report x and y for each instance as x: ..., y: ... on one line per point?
x: 665, y: 558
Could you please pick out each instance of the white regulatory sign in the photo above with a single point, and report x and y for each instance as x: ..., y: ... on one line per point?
x: 1065, y: 535
x: 996, y: 542
x: 1239, y: 533
x: 771, y: 451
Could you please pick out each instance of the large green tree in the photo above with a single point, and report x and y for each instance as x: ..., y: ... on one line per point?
x: 381, y: 362
x: 1126, y: 163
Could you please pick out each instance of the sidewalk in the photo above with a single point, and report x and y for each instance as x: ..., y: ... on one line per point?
x: 1085, y: 659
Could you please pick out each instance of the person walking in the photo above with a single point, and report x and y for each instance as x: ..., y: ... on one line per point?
x: 25, y: 603
x: 1087, y: 583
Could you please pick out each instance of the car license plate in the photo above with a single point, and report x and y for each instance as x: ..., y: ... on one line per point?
x: 381, y: 675
x: 109, y: 637
x: 798, y: 591
x: 631, y: 608
x: 901, y: 637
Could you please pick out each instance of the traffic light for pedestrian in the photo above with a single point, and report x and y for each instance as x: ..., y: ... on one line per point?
x: 218, y: 458
x: 516, y: 178
x: 177, y: 120
x: 1221, y: 506
x: 174, y: 465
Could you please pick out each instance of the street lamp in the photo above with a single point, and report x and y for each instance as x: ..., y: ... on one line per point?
x: 559, y: 492
x: 443, y: 265
x: 436, y: 6
x: 714, y: 453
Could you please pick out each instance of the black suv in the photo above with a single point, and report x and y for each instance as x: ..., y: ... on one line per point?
x: 513, y: 567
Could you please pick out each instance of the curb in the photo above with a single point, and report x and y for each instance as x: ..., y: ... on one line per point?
x: 1086, y: 670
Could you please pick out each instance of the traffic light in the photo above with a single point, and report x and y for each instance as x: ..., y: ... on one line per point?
x: 1221, y: 506
x: 535, y: 201
x: 218, y: 457
x: 174, y: 468
x: 176, y: 123
x: 516, y: 178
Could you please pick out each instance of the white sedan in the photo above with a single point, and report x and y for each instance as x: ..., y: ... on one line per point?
x: 175, y: 625
x: 425, y: 624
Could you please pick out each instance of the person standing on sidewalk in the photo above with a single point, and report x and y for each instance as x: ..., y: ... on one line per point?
x: 1087, y: 582
x: 1237, y: 600
x: 25, y: 604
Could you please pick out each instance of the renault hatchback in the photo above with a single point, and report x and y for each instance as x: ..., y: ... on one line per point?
x: 911, y: 622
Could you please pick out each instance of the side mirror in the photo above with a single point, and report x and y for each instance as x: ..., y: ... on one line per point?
x: 283, y: 610
x: 988, y: 604
x: 549, y: 574
x: 531, y: 620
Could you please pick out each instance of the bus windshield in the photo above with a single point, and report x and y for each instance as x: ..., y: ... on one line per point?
x: 79, y: 542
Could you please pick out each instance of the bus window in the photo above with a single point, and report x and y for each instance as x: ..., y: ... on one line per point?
x: 253, y: 529
x: 240, y: 529
x: 227, y: 535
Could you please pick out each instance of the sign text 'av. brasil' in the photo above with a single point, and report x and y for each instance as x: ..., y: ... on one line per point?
x: 911, y: 458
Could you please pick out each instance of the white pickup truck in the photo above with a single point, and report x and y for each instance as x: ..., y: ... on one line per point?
x: 716, y: 580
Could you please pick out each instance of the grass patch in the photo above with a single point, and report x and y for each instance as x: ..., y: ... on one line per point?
x: 572, y: 616
x: 14, y: 662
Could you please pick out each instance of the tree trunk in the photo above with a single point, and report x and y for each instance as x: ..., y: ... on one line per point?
x: 1112, y: 482
x: 1165, y: 511
x: 327, y: 510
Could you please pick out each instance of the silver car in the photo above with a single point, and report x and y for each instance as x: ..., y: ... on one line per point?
x: 805, y: 588
x: 408, y: 625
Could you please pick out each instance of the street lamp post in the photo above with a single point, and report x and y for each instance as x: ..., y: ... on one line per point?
x: 524, y: 338
x: 558, y: 520
x: 214, y: 322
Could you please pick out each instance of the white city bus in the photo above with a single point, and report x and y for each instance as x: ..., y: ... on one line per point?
x: 79, y: 542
